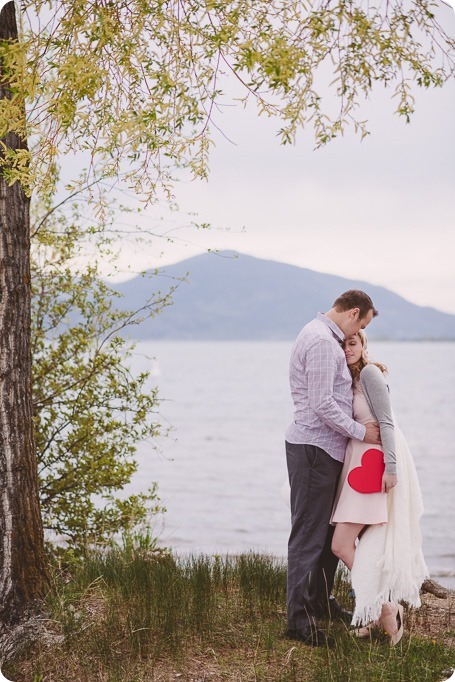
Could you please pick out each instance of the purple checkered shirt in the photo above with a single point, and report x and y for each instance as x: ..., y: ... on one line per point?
x: 321, y: 388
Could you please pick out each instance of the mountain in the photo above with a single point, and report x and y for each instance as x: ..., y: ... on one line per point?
x: 229, y: 296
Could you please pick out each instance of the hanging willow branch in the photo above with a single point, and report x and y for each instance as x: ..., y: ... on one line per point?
x: 137, y: 83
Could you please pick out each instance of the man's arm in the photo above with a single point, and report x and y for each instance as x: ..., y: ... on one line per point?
x: 372, y: 434
x: 321, y: 367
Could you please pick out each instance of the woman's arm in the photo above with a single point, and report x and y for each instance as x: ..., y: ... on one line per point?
x: 377, y: 396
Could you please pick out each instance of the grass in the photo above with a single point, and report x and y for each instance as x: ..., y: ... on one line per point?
x: 130, y: 615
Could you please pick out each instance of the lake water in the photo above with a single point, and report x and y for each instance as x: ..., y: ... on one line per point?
x: 221, y: 471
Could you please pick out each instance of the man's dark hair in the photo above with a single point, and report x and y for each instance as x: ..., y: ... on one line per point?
x: 354, y: 298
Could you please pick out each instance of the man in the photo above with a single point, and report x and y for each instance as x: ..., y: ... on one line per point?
x: 321, y: 387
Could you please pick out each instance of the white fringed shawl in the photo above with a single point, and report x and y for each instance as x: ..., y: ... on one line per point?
x: 389, y: 564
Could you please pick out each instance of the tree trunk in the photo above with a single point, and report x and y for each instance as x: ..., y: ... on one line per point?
x: 23, y: 573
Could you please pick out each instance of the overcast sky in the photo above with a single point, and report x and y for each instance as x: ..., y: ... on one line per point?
x: 381, y: 210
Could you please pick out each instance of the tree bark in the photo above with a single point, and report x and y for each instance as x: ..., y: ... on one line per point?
x: 23, y: 574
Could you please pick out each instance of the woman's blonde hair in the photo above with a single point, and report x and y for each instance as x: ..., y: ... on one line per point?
x: 360, y: 364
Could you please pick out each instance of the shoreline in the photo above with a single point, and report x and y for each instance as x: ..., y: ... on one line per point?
x: 446, y: 579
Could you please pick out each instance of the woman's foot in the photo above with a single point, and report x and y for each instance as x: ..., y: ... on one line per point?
x: 365, y: 631
x: 392, y: 621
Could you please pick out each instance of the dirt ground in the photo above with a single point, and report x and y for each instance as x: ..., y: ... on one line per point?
x: 435, y: 619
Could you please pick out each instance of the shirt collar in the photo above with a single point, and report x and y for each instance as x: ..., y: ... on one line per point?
x: 331, y: 324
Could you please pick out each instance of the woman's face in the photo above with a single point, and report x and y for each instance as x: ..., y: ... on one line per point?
x: 353, y: 349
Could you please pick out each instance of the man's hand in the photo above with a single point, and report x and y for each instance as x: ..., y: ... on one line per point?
x: 372, y: 434
x: 389, y: 481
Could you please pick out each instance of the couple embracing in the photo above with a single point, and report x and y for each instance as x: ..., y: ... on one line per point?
x: 354, y: 493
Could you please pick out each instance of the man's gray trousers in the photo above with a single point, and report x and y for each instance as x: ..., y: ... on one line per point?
x: 313, y: 477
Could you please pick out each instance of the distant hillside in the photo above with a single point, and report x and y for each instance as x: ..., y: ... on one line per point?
x: 249, y: 298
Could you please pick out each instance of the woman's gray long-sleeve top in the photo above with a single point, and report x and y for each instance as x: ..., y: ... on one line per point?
x: 376, y: 393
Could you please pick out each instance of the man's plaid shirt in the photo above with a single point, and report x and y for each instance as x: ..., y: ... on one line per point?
x: 321, y: 388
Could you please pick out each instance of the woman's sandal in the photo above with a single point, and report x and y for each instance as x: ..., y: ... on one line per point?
x: 394, y: 639
x: 365, y: 631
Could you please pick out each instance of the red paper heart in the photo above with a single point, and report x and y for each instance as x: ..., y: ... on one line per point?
x: 367, y: 478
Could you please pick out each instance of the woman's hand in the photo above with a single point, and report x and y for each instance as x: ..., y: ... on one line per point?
x: 389, y: 481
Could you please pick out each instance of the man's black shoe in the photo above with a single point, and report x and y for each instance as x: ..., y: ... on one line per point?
x: 334, y: 611
x: 311, y: 637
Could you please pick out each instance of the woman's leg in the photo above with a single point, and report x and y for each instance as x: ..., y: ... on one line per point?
x: 343, y: 546
x: 343, y: 542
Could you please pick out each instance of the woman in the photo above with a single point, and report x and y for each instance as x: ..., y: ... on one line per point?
x: 378, y: 502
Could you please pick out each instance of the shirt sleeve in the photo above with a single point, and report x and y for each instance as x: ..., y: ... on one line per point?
x: 377, y: 394
x: 321, y: 368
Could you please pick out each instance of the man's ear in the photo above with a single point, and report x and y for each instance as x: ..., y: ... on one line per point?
x: 355, y: 312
